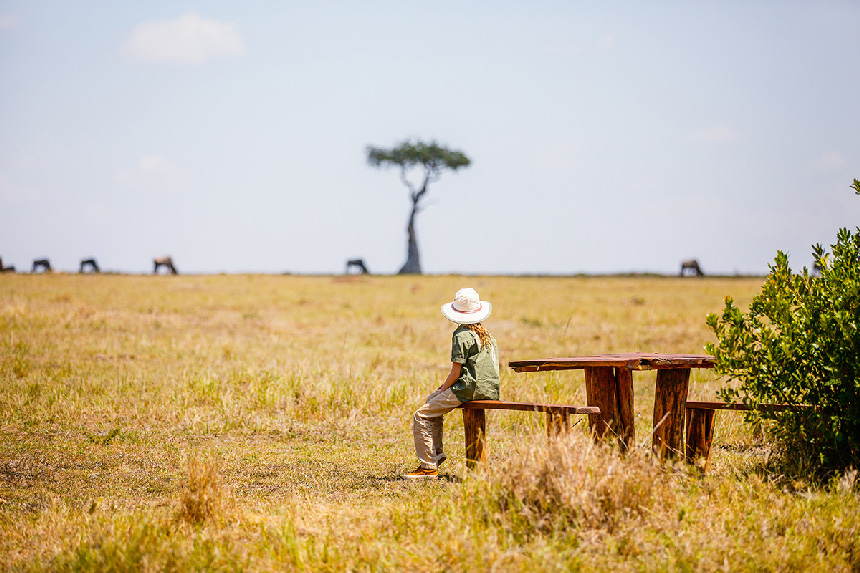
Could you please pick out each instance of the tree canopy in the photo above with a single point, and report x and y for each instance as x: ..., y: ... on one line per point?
x: 431, y: 156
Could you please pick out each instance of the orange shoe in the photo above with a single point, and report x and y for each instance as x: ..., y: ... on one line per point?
x: 422, y: 473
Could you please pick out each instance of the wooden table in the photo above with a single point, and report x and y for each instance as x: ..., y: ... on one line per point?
x: 609, y: 386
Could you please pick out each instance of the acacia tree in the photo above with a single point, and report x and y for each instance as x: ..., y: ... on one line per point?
x: 430, y: 157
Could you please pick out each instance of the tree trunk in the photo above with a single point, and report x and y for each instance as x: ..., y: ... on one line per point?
x: 412, y: 266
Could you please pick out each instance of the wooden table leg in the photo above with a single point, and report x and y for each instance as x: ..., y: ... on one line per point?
x: 700, y: 435
x: 669, y: 406
x: 556, y: 424
x: 627, y: 430
x: 601, y: 391
x: 475, y: 425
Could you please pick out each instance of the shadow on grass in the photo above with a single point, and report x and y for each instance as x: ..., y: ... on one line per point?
x: 446, y: 477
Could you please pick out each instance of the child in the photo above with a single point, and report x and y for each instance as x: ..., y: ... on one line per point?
x: 474, y: 376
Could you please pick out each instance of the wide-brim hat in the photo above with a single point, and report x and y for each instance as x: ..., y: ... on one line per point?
x: 467, y: 308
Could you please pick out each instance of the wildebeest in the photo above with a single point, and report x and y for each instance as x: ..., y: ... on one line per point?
x: 6, y: 269
x: 89, y: 264
x: 164, y: 262
x: 691, y: 266
x: 357, y: 263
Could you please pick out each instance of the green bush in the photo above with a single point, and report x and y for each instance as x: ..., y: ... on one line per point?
x: 800, y: 344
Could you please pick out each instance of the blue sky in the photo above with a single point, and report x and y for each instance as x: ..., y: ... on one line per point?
x: 605, y: 136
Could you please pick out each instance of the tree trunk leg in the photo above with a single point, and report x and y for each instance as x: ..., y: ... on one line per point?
x: 669, y: 407
x: 556, y: 424
x: 601, y: 391
x: 475, y: 425
x: 700, y: 436
x: 627, y: 429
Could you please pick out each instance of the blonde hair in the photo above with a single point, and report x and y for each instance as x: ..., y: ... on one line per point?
x: 483, y: 334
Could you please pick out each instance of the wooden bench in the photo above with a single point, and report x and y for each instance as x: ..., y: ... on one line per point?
x: 700, y: 426
x: 475, y: 422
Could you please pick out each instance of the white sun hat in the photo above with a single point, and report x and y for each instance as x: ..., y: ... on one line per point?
x: 467, y: 308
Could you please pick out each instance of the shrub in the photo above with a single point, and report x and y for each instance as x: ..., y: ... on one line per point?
x: 800, y: 344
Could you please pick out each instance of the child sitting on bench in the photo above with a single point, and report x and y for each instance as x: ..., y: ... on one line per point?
x: 474, y: 376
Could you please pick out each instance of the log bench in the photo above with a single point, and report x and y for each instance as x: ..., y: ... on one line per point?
x: 700, y: 426
x: 475, y: 422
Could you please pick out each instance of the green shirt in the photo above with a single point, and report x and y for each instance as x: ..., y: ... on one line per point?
x: 479, y: 376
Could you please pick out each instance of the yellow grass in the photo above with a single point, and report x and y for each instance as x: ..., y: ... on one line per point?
x: 262, y: 422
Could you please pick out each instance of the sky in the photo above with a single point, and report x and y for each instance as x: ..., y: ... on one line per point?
x: 604, y: 136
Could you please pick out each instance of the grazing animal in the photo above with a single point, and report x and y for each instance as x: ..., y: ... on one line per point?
x: 6, y: 269
x: 164, y: 262
x: 89, y: 264
x: 689, y: 267
x: 43, y: 264
x: 358, y: 264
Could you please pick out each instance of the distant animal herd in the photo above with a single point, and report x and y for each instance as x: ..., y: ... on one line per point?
x: 92, y: 266
x: 690, y: 267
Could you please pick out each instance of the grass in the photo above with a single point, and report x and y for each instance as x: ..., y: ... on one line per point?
x: 262, y: 422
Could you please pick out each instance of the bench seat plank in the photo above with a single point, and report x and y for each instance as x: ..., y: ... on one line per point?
x: 743, y: 407
x: 527, y: 407
x: 475, y: 422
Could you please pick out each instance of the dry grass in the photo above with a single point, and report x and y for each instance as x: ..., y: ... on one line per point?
x: 204, y: 498
x: 302, y: 389
x: 575, y: 482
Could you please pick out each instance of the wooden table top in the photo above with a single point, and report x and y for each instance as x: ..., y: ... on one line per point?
x: 632, y: 361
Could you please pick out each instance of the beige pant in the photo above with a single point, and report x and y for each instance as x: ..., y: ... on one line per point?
x: 427, y: 426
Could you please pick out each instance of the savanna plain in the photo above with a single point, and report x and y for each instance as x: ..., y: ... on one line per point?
x: 249, y: 422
